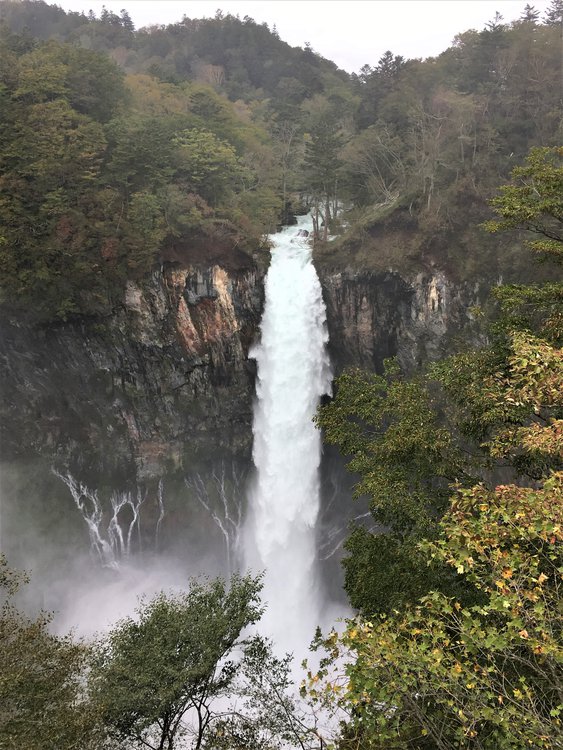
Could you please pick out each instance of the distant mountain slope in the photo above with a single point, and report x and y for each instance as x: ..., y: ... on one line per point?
x: 241, y: 57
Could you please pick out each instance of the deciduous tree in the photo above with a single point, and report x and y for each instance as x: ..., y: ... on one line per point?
x: 42, y: 698
x: 159, y: 676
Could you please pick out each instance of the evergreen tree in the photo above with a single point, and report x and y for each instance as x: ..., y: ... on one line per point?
x: 322, y: 165
x: 530, y: 14
x: 126, y: 21
x: 554, y: 13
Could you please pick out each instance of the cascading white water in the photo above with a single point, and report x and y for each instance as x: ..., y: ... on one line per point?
x: 293, y: 373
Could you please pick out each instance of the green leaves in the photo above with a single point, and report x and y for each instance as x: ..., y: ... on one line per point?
x: 89, y: 82
x: 42, y: 697
x: 178, y: 654
x: 97, y: 184
x: 534, y: 201
x: 406, y: 460
x: 208, y: 165
x: 477, y: 662
x: 482, y: 676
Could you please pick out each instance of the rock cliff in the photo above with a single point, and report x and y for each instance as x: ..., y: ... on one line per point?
x: 162, y: 382
x: 373, y: 315
x: 166, y: 381
x: 152, y: 406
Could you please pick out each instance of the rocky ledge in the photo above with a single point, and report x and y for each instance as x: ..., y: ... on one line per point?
x: 373, y: 315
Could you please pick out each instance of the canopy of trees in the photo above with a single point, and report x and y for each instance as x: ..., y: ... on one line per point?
x: 101, y: 173
x: 184, y: 672
x: 405, y: 144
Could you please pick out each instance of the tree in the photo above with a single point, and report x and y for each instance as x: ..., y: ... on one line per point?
x: 554, y: 14
x: 533, y: 201
x: 322, y: 164
x: 530, y: 14
x: 42, y: 698
x: 287, y: 139
x: 484, y: 671
x: 410, y: 440
x: 406, y: 460
x: 270, y: 713
x: 374, y: 166
x: 442, y: 675
x: 159, y: 677
x: 126, y: 21
x: 496, y: 24
x: 208, y: 164
x: 90, y: 82
x: 374, y: 84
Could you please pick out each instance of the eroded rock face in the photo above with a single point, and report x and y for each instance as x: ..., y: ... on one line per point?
x: 155, y: 403
x: 372, y: 316
x: 166, y: 381
x: 163, y: 381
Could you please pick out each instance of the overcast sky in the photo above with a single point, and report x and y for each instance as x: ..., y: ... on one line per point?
x: 350, y: 32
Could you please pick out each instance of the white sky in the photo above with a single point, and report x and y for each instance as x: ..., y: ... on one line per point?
x: 350, y: 32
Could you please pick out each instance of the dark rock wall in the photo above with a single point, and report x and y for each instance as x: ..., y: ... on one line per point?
x: 164, y: 381
x: 373, y: 315
x: 157, y: 399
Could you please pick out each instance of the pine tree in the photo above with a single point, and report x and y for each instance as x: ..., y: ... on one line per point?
x: 530, y: 14
x: 126, y: 21
x: 554, y: 14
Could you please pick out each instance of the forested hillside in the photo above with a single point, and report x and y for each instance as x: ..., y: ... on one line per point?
x: 106, y: 175
x: 206, y: 133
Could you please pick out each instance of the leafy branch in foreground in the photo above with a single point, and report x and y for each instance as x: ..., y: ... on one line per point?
x: 533, y: 201
x: 186, y: 673
x: 158, y: 677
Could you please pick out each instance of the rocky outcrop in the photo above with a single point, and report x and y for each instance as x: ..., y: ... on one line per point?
x: 162, y: 382
x: 373, y: 315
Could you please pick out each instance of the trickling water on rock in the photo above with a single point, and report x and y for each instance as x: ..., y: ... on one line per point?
x: 110, y: 539
x: 293, y: 373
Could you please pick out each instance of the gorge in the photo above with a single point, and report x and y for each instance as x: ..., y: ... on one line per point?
x: 147, y: 421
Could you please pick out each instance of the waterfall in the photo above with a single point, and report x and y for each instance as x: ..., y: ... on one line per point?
x: 293, y: 373
x: 221, y: 494
x: 111, y: 535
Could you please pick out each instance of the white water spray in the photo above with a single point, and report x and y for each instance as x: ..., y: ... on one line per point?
x: 293, y: 373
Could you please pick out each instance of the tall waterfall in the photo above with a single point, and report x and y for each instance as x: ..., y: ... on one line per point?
x: 293, y: 372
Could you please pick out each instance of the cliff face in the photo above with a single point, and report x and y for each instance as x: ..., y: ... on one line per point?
x: 165, y: 380
x: 152, y: 406
x: 373, y: 315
